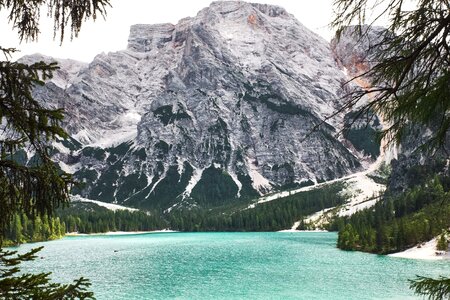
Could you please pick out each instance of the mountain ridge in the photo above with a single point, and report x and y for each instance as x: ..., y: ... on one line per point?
x: 214, y: 108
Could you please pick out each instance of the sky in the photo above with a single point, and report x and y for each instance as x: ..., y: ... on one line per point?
x: 111, y: 34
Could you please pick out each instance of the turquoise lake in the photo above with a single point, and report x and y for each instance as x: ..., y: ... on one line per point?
x: 273, y: 265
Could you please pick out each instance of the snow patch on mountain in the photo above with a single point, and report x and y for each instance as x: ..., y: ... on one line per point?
x: 110, y: 206
x: 70, y: 169
x: 237, y: 182
x: 259, y: 183
x: 114, y: 138
x: 61, y: 148
x: 197, y: 175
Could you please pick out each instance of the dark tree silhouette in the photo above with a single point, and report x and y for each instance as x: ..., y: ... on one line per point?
x: 38, y: 187
x: 33, y: 188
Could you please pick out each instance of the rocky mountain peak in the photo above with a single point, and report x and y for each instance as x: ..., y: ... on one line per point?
x: 219, y: 107
x: 243, y: 11
x: 144, y: 37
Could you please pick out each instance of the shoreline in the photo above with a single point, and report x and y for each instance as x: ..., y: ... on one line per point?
x: 110, y: 233
x: 424, y: 251
x: 295, y: 230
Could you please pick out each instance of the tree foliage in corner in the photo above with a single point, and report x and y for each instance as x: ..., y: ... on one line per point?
x: 15, y: 285
x: 39, y: 187
x: 409, y: 77
x: 35, y: 188
x: 410, y: 72
x: 431, y: 288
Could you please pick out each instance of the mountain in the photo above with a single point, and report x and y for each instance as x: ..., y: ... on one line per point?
x: 217, y: 109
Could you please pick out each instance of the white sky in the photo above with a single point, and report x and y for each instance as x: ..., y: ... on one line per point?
x: 112, y: 34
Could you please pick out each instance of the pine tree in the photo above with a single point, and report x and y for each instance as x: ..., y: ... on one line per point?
x: 17, y: 229
x: 348, y: 238
x: 38, y: 188
x: 41, y: 187
x: 16, y: 286
x: 442, y: 244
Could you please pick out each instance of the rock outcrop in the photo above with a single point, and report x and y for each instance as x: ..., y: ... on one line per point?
x: 220, y: 107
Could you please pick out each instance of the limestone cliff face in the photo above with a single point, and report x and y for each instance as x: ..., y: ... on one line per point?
x: 355, y: 53
x: 216, y: 108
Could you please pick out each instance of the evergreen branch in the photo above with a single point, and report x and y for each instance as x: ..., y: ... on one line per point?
x: 35, y: 286
x: 432, y: 288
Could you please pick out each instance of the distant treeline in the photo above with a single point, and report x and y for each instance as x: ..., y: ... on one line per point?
x: 399, y: 222
x: 89, y: 218
x: 270, y: 216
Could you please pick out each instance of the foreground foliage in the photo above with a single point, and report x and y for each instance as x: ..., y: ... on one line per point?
x: 15, y: 285
x: 34, y: 188
x: 437, y: 289
x: 37, y: 186
x: 408, y: 74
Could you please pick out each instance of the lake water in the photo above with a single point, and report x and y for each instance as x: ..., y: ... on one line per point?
x: 229, y: 266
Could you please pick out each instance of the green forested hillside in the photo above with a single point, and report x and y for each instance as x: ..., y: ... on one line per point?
x: 270, y: 216
x: 399, y: 222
